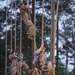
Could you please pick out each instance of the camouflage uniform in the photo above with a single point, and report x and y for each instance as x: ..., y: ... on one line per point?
x: 14, y: 64
x: 39, y: 56
x: 26, y: 18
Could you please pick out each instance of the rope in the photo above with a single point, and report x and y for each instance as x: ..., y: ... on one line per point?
x: 57, y: 12
x: 35, y: 25
x: 55, y: 28
x: 20, y: 40
x: 52, y: 34
x: 15, y: 29
x: 52, y: 30
x: 6, y: 41
x: 11, y: 28
x: 11, y: 31
x: 43, y: 22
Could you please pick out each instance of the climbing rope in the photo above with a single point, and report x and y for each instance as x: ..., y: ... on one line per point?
x: 15, y: 29
x: 43, y: 22
x: 53, y: 31
x: 52, y: 34
x: 55, y: 25
x: 11, y: 28
x: 56, y: 21
x: 35, y: 25
x: 6, y: 40
x: 20, y: 38
x: 56, y: 16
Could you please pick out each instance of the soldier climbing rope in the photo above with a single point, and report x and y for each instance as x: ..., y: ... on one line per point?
x: 25, y: 15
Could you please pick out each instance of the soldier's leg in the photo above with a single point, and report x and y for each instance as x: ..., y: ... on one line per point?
x: 25, y: 65
x: 49, y: 64
x: 13, y: 71
x: 31, y: 32
x: 35, y: 72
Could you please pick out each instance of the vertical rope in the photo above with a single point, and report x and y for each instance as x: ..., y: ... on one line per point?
x: 55, y: 28
x: 43, y: 22
x: 52, y: 31
x: 20, y: 38
x: 35, y: 13
x: 11, y: 32
x: 11, y: 28
x: 35, y: 24
x: 57, y: 12
x: 57, y: 38
x: 15, y: 29
x: 6, y: 40
x: 52, y: 34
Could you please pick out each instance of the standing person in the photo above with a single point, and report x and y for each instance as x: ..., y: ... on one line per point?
x: 25, y: 12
